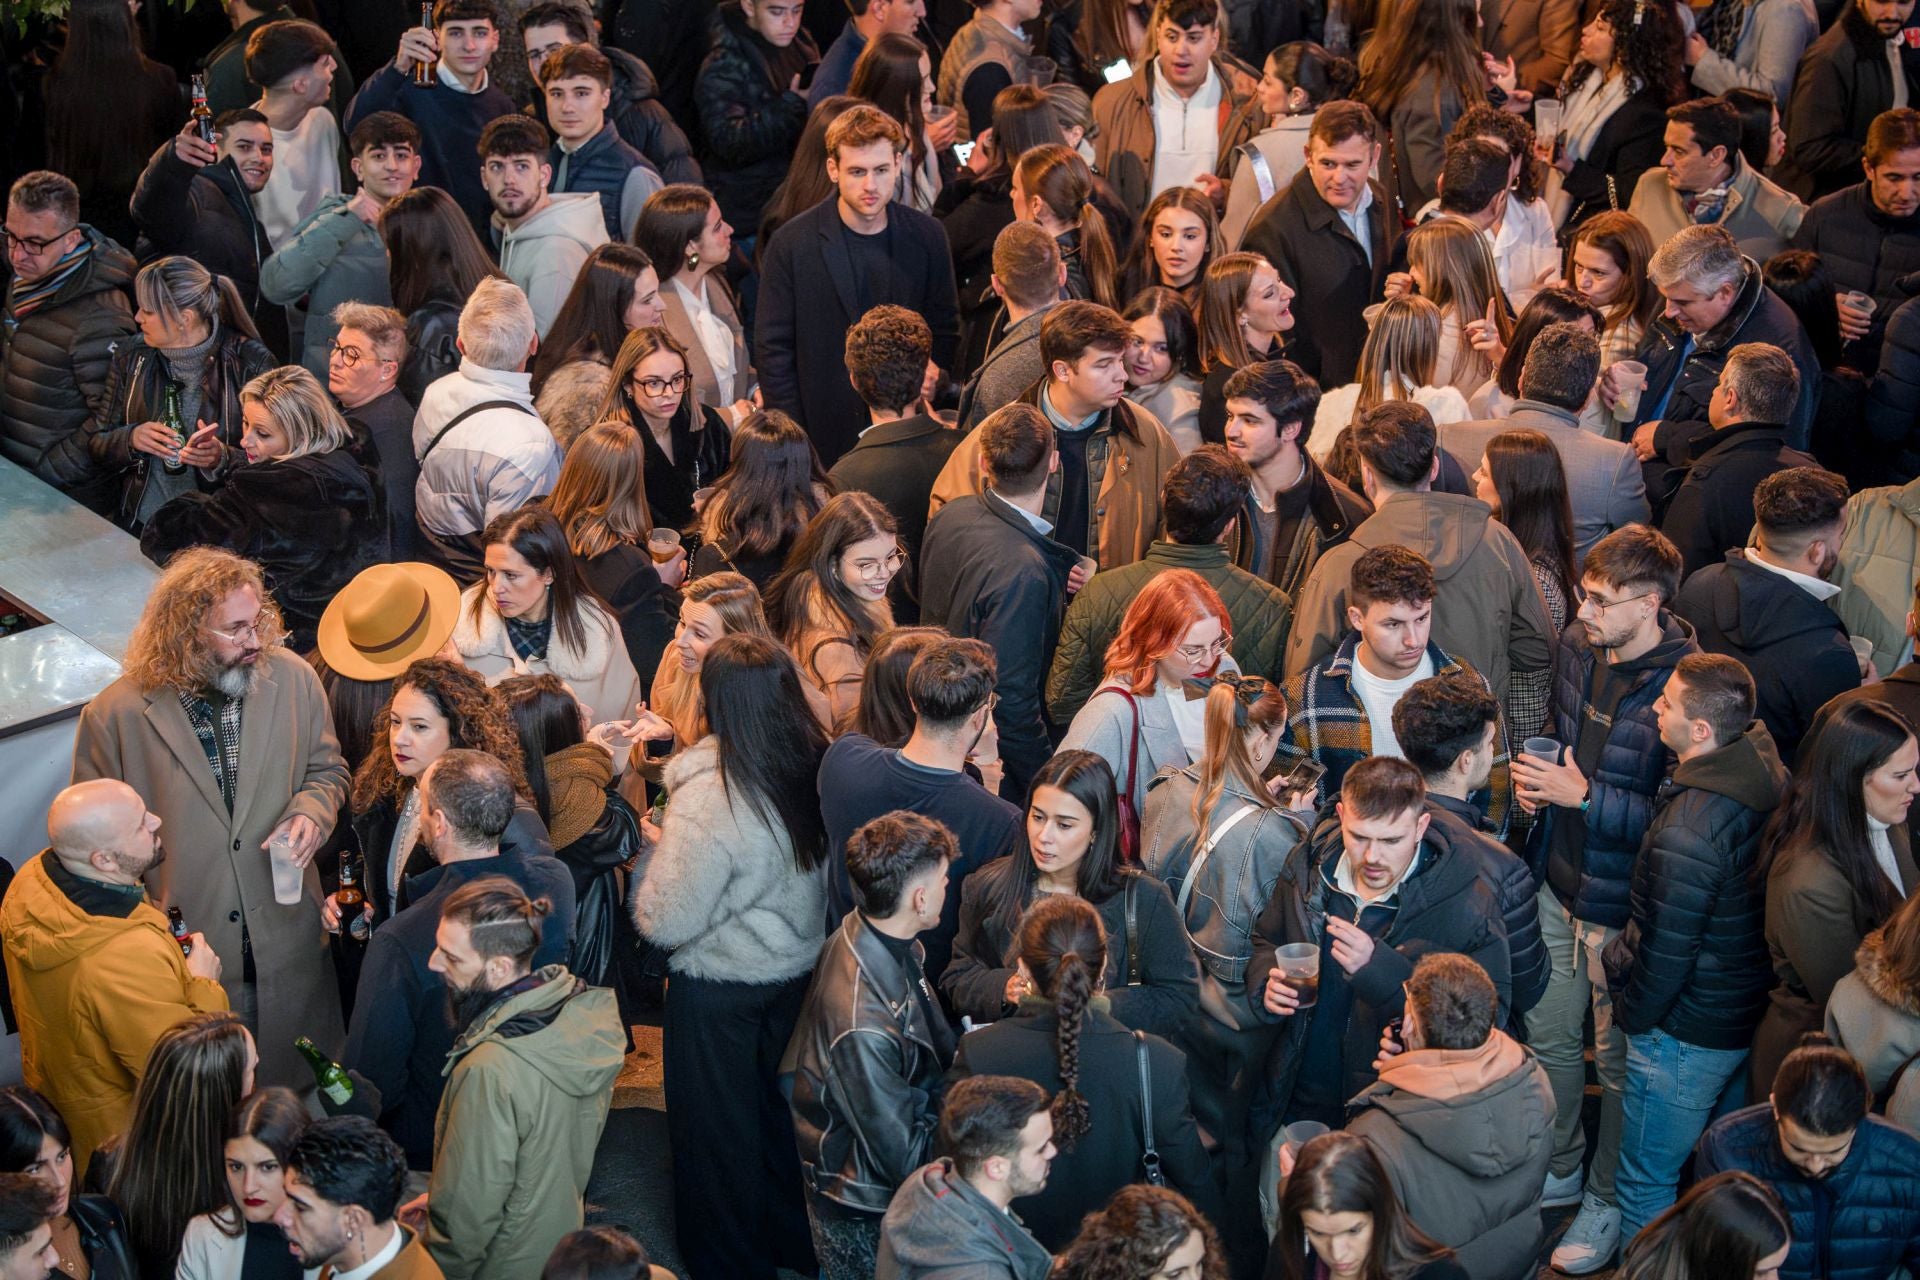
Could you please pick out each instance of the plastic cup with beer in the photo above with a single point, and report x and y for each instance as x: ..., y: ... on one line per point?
x: 1629, y: 380
x: 1299, y: 966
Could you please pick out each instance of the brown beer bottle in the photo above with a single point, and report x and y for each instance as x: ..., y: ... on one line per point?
x: 351, y: 900
x: 423, y: 72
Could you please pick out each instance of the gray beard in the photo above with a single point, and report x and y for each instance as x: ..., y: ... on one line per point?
x: 235, y: 682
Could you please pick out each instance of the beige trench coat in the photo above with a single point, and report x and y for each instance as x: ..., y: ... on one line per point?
x: 215, y: 870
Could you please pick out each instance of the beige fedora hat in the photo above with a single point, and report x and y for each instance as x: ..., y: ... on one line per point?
x: 387, y: 617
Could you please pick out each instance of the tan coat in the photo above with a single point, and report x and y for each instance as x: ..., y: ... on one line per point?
x: 216, y: 870
x: 679, y: 324
x: 1123, y: 149
x: 1539, y: 35
x: 1139, y: 453
x: 413, y: 1262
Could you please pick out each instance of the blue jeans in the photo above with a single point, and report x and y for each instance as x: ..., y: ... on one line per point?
x: 1673, y: 1090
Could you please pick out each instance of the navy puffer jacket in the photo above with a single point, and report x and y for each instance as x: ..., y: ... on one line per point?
x: 1693, y: 961
x: 1860, y: 1222
x: 1624, y: 784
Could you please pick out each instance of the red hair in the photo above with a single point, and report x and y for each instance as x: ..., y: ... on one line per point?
x: 1156, y: 620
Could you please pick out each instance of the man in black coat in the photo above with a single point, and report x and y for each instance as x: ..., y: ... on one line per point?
x: 1712, y: 510
x: 897, y: 457
x: 66, y: 307
x: 834, y: 263
x: 1868, y: 234
x: 1715, y: 300
x: 1690, y: 971
x: 197, y: 199
x: 1372, y: 914
x: 401, y: 1029
x: 1845, y: 80
x: 992, y: 573
x: 1767, y: 604
x: 1447, y: 727
x: 1331, y: 236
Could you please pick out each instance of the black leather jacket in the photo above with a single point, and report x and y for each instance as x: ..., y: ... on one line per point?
x: 103, y: 1238
x: 866, y: 1070
x: 136, y: 393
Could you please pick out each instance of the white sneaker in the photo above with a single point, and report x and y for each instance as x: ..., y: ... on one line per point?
x: 1560, y: 1192
x: 1591, y: 1239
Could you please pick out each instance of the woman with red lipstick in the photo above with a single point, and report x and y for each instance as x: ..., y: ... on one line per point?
x: 831, y: 601
x: 1072, y: 847
x: 303, y: 507
x: 240, y: 1241
x: 88, y: 1232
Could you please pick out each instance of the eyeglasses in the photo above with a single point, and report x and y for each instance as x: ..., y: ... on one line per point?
x: 349, y: 356
x: 1603, y: 605
x: 34, y: 244
x: 1197, y: 652
x: 255, y: 629
x: 870, y: 569
x: 663, y: 386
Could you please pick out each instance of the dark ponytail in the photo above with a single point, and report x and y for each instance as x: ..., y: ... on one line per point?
x: 1064, y: 947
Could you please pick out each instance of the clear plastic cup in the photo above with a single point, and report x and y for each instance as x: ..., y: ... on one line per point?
x: 289, y: 878
x: 1630, y: 379
x: 1299, y: 966
x: 1042, y: 71
x: 938, y: 112
x: 1861, y: 302
x: 1547, y: 749
x: 663, y: 544
x: 1546, y: 118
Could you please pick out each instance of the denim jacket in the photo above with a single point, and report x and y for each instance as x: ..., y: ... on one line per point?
x: 1233, y: 885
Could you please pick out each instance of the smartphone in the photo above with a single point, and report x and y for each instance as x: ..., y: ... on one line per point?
x: 1305, y: 773
x: 1116, y: 71
x: 963, y: 151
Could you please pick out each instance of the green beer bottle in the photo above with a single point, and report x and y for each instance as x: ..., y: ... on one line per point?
x: 328, y: 1074
x: 170, y: 419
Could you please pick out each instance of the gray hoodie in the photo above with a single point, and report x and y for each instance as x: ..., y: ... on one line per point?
x: 545, y: 252
x: 939, y: 1228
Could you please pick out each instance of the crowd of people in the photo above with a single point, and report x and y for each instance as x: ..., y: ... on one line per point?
x: 1145, y: 629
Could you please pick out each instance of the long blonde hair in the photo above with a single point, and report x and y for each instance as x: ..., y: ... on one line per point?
x: 1233, y: 711
x: 1453, y: 258
x: 1401, y: 353
x: 301, y: 407
x: 600, y: 498
x: 168, y: 647
x: 676, y: 691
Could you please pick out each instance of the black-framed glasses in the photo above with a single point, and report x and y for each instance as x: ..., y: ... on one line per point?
x: 663, y: 386
x: 349, y: 356
x: 35, y: 245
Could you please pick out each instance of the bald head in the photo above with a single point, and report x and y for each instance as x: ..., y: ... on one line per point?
x: 103, y: 830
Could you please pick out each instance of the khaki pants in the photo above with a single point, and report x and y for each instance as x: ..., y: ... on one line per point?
x: 1555, y: 1030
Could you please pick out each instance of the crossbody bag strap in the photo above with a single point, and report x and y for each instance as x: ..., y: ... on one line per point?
x: 1133, y: 946
x: 1262, y: 171
x: 1214, y: 837
x: 1885, y: 1097
x: 468, y: 412
x: 1150, y: 1154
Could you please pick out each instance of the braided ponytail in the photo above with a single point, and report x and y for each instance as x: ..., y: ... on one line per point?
x: 1064, y: 947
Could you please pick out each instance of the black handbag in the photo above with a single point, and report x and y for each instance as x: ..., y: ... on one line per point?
x: 1150, y: 1156
x: 616, y: 839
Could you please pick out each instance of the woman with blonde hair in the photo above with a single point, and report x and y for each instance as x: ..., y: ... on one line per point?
x: 1398, y: 362
x: 1139, y: 719
x: 771, y: 488
x: 1218, y: 835
x: 1053, y: 186
x: 711, y: 608
x: 600, y: 501
x: 1419, y: 74
x: 302, y: 505
x: 1244, y: 309
x: 686, y: 443
x: 1450, y: 265
x: 196, y: 340
x: 831, y: 600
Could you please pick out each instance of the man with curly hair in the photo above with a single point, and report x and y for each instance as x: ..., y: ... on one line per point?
x: 227, y: 735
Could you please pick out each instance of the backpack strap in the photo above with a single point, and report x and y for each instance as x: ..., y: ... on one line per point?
x: 468, y: 412
x: 1133, y: 945
x: 1262, y: 171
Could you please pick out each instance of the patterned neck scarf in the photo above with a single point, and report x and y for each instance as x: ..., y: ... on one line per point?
x: 530, y: 638
x: 218, y: 728
x: 27, y: 296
